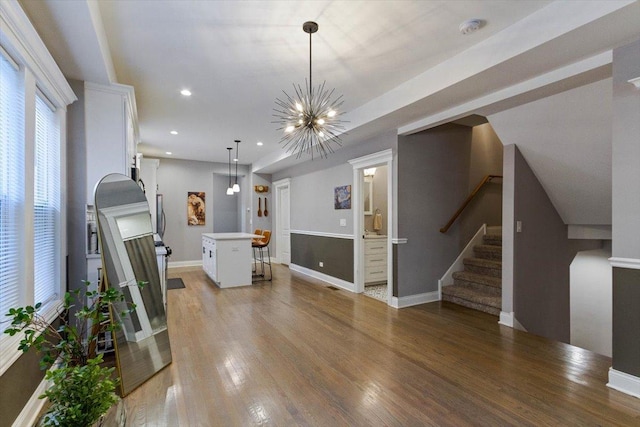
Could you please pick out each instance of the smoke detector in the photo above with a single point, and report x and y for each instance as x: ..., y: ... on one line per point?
x: 470, y: 26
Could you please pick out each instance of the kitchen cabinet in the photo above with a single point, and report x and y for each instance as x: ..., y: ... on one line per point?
x: 226, y: 258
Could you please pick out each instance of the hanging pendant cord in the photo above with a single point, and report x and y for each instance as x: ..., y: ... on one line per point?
x: 310, y: 80
x: 237, y: 161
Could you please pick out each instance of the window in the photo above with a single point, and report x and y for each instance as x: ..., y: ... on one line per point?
x: 46, y: 203
x: 12, y: 178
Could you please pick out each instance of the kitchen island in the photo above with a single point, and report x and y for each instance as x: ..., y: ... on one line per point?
x: 226, y: 258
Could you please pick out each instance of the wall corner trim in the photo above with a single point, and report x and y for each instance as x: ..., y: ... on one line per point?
x: 624, y: 383
x: 631, y: 263
x: 410, y: 300
x: 506, y: 319
x: 343, y: 284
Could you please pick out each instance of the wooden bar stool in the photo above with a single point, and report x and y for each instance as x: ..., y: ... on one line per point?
x: 261, y: 245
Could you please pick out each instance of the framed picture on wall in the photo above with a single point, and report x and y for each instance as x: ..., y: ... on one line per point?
x: 342, y: 197
x: 196, y: 208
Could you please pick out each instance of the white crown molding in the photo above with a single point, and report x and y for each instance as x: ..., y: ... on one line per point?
x: 631, y: 263
x: 343, y: 284
x: 399, y: 240
x: 411, y: 300
x: 635, y: 82
x: 323, y: 234
x: 379, y: 157
x: 19, y: 38
x: 624, y: 383
x: 281, y: 182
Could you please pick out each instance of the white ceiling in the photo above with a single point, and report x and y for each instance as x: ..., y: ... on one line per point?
x: 399, y: 64
x: 237, y: 56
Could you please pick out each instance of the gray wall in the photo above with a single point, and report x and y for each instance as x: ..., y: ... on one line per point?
x: 263, y: 222
x: 433, y: 179
x: 542, y: 258
x: 178, y: 177
x: 626, y: 208
x: 312, y: 207
x: 485, y: 159
x: 335, y: 254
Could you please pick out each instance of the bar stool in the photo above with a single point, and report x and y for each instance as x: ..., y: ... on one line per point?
x: 261, y: 245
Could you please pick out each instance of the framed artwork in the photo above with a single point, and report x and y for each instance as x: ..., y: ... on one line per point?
x: 342, y: 197
x: 196, y: 208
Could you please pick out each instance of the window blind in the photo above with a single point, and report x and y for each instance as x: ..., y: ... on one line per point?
x: 46, y: 202
x: 12, y: 203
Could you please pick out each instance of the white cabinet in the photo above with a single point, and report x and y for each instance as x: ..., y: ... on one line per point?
x: 226, y: 258
x: 375, y: 260
x: 110, y: 130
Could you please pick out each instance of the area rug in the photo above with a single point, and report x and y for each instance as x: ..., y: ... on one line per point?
x: 176, y: 283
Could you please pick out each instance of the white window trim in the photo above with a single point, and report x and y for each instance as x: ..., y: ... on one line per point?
x: 23, y: 45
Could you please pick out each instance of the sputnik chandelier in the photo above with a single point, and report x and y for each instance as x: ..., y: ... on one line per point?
x: 310, y: 119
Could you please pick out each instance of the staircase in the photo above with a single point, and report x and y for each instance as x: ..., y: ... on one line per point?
x: 479, y: 286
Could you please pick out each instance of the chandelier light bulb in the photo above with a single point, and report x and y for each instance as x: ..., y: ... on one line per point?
x: 320, y: 134
x: 331, y: 113
x: 289, y: 129
x: 298, y: 106
x: 320, y: 121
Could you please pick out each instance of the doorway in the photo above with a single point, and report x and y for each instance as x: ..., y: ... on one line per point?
x: 373, y: 225
x: 282, y: 221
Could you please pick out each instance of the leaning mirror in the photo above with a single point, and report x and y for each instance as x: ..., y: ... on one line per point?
x: 128, y: 257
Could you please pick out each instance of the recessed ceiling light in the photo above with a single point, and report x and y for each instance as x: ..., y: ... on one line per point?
x: 471, y: 25
x: 168, y: 152
x: 185, y: 92
x: 259, y: 144
x: 174, y: 132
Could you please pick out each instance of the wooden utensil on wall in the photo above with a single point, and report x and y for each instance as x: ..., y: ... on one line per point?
x: 259, y: 207
x: 266, y: 212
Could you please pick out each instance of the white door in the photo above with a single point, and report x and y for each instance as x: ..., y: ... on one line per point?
x: 283, y: 222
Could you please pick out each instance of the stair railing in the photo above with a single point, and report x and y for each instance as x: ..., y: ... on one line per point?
x: 475, y: 191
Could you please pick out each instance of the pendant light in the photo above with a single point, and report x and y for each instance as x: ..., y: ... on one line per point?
x: 230, y: 189
x: 236, y: 187
x: 310, y: 119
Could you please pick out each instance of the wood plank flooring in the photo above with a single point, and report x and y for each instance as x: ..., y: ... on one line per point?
x: 294, y: 352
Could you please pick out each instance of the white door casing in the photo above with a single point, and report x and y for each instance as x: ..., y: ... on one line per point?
x: 282, y: 220
x: 376, y: 159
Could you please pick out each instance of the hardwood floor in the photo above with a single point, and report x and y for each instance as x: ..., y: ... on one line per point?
x: 294, y: 352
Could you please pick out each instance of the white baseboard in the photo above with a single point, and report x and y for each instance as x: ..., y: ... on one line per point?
x: 506, y: 318
x: 408, y: 301
x: 343, y: 284
x: 29, y: 414
x: 177, y: 264
x: 624, y: 382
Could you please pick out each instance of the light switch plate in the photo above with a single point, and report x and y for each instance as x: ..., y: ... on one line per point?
x: 343, y: 222
x: 518, y: 226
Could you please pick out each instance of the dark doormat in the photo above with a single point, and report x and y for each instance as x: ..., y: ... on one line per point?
x: 176, y: 283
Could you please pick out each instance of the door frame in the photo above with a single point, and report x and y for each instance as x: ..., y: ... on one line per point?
x: 278, y: 186
x: 381, y: 158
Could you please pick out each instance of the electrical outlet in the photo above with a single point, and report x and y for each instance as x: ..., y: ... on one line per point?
x: 518, y: 226
x: 321, y: 264
x: 343, y: 222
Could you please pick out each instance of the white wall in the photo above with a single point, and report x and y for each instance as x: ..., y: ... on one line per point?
x: 591, y: 301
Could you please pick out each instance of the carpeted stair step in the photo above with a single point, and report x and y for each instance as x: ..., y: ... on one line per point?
x: 492, y: 239
x: 491, y: 252
x: 486, y: 267
x: 485, y: 284
x: 474, y: 299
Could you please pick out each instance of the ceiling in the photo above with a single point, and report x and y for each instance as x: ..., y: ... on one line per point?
x: 395, y: 62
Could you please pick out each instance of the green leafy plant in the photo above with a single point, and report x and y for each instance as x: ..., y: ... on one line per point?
x: 82, y: 390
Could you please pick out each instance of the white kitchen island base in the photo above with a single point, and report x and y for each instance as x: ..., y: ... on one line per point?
x: 226, y: 258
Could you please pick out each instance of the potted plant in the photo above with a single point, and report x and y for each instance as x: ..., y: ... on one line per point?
x: 82, y: 389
